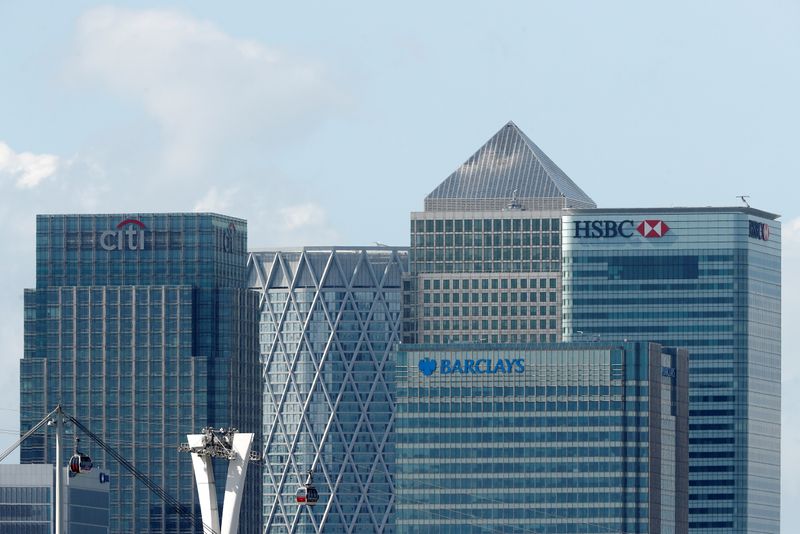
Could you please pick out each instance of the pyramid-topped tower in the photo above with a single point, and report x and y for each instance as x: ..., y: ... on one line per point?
x: 508, y: 172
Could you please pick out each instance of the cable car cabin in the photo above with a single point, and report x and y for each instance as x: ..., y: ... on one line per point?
x: 307, y: 495
x: 80, y: 463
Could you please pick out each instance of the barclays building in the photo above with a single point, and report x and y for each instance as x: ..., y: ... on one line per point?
x: 551, y: 438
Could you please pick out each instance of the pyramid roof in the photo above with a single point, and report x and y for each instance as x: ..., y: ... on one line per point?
x: 508, y: 172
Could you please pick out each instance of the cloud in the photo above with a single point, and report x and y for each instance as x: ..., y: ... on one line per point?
x: 293, y: 225
x: 29, y: 169
x: 204, y: 88
x: 216, y: 201
x: 302, y: 215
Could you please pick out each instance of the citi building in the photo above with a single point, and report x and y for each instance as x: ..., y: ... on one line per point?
x: 141, y: 327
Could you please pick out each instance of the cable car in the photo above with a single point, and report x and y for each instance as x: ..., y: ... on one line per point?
x: 307, y: 494
x: 80, y: 463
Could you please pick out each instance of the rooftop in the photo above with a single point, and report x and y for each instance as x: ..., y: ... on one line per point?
x: 508, y: 172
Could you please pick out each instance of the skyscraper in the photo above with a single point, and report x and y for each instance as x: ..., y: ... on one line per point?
x: 330, y: 318
x: 708, y: 279
x: 545, y: 438
x: 142, y: 328
x: 486, y: 252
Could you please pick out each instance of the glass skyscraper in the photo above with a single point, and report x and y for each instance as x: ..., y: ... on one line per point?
x: 141, y: 326
x: 552, y: 438
x: 486, y: 252
x: 330, y: 318
x: 707, y: 279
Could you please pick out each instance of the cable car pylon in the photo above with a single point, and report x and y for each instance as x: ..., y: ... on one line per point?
x: 233, y: 446
x: 56, y: 418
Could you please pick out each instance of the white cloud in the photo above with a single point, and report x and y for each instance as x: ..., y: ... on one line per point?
x: 215, y: 201
x: 204, y: 87
x: 302, y: 215
x: 29, y: 169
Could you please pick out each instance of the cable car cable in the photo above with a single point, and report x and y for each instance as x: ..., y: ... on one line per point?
x: 176, y: 506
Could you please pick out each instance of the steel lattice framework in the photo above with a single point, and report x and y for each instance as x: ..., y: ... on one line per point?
x: 329, y: 321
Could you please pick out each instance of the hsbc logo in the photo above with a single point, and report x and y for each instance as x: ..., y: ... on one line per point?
x: 129, y: 235
x: 648, y: 228
x: 652, y: 228
x: 759, y: 231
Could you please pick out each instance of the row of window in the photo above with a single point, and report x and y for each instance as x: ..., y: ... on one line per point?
x: 485, y: 254
x: 430, y: 446
x: 487, y: 338
x: 487, y: 266
x: 486, y: 283
x: 485, y: 225
x: 467, y: 392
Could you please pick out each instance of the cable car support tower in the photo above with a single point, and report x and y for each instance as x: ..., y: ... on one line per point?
x: 80, y: 463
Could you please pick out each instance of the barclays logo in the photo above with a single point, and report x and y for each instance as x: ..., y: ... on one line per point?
x: 427, y: 366
x: 480, y: 366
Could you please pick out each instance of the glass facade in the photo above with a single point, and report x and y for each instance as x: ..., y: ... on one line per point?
x: 554, y: 438
x: 329, y: 320
x: 26, y: 499
x: 707, y: 279
x: 486, y: 252
x: 484, y: 279
x: 141, y: 327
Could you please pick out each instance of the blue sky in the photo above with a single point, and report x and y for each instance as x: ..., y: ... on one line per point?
x: 309, y: 119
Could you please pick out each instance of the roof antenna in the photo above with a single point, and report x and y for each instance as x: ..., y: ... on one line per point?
x: 743, y: 197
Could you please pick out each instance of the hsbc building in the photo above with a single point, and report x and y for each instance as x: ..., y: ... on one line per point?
x: 707, y: 279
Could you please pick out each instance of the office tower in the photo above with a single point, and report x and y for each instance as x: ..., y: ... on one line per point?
x: 707, y: 279
x: 330, y: 318
x: 547, y: 438
x: 27, y: 496
x: 486, y: 252
x: 142, y: 328
x: 27, y: 500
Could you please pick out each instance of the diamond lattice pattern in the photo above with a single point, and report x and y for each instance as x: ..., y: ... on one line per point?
x: 329, y: 321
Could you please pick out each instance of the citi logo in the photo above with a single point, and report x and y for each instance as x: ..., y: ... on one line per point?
x: 427, y: 366
x: 228, y: 238
x: 128, y: 235
x: 652, y: 228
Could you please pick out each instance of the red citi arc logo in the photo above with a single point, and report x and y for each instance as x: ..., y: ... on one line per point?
x: 652, y: 228
x: 129, y: 235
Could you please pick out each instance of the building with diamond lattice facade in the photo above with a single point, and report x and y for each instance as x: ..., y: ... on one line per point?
x: 485, y: 253
x: 329, y: 320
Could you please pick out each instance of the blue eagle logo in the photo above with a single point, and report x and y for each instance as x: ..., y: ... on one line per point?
x: 427, y: 366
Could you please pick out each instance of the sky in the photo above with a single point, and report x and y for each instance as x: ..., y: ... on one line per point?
x: 328, y: 122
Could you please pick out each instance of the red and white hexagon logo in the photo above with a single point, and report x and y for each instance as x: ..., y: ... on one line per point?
x: 652, y: 228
